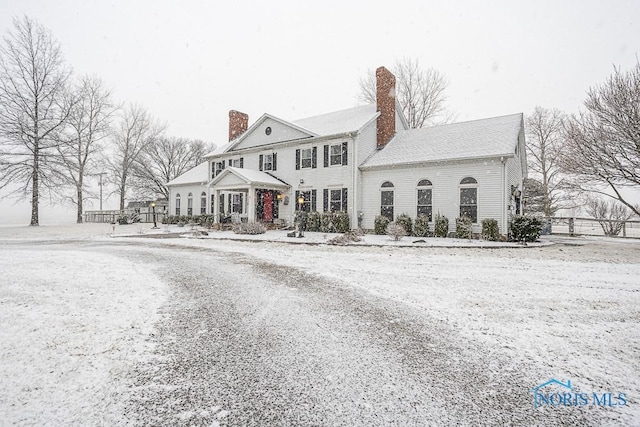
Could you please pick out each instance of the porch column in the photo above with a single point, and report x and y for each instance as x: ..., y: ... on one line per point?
x: 251, y: 204
x: 216, y: 206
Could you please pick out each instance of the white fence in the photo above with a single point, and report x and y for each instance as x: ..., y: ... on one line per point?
x: 591, y: 227
x: 111, y: 216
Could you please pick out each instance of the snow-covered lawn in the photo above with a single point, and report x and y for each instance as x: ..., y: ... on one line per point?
x: 72, y: 323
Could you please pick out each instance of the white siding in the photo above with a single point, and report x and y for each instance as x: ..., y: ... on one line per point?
x: 279, y: 133
x: 314, y: 179
x: 446, y: 179
x: 184, y: 191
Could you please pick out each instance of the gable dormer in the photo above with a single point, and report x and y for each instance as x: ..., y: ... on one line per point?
x: 270, y: 130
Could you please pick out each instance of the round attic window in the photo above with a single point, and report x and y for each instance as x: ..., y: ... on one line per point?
x: 267, y: 130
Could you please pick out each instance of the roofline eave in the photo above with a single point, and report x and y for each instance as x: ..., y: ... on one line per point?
x: 449, y: 160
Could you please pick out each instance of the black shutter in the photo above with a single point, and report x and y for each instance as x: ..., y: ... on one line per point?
x: 241, y: 203
x: 344, y: 153
x: 313, y: 200
x: 230, y: 162
x: 229, y: 197
x: 259, y: 204
x: 297, y: 161
x: 296, y: 200
x: 314, y: 157
x: 344, y: 199
x: 326, y: 156
x: 222, y: 165
x: 241, y: 162
x: 325, y: 202
x: 221, y: 205
x: 275, y: 161
x: 260, y: 162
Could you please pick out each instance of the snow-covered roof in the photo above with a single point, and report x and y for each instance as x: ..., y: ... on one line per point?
x: 251, y: 176
x: 497, y: 136
x: 338, y: 122
x: 196, y: 175
x: 220, y: 149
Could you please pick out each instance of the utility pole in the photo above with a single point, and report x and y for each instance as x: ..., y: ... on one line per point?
x: 100, y: 184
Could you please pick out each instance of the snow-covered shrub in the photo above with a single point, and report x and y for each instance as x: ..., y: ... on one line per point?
x: 396, y: 231
x: 405, y: 221
x: 346, y: 238
x: 326, y: 223
x: 341, y: 221
x: 421, y: 226
x: 490, y: 230
x: 525, y: 228
x: 441, y: 226
x: 206, y: 220
x: 380, y: 224
x: 313, y: 221
x: 249, y: 228
x: 464, y: 228
x: 128, y: 218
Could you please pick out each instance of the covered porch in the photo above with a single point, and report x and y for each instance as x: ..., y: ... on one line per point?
x: 248, y: 195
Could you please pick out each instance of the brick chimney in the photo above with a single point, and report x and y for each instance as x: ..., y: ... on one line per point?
x: 238, y: 124
x: 386, y: 105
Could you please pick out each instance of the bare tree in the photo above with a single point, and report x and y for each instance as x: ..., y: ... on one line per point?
x: 135, y: 132
x: 611, y: 215
x: 603, y: 143
x: 545, y: 144
x: 87, y: 127
x: 164, y: 160
x: 420, y: 93
x: 33, y: 106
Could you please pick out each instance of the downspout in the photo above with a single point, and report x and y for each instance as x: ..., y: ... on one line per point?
x: 356, y: 194
x: 504, y: 200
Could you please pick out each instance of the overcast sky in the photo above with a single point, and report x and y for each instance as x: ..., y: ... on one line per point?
x: 190, y: 62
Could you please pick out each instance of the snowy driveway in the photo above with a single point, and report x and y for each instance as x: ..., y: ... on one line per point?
x: 267, y: 334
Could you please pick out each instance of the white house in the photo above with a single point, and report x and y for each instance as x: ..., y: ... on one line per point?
x: 365, y: 161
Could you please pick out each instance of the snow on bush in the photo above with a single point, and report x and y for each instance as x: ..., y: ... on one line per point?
x: 380, y: 224
x: 525, y: 228
x: 421, y: 226
x: 441, y: 226
x: 490, y: 230
x: 405, y: 221
x: 464, y: 228
x: 346, y: 238
x: 396, y: 231
x: 249, y: 228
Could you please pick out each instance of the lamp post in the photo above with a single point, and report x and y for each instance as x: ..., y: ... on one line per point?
x: 302, y: 224
x: 153, y: 206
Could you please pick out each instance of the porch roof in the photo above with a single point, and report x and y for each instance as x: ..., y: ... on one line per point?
x: 233, y: 177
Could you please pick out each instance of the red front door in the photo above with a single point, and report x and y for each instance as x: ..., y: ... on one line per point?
x: 267, y: 211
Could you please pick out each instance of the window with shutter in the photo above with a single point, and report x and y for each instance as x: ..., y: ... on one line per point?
x: 306, y: 158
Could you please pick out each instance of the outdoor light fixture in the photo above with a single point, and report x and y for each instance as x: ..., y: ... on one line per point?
x: 300, y: 200
x: 301, y: 181
x: 279, y: 196
x: 153, y: 206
